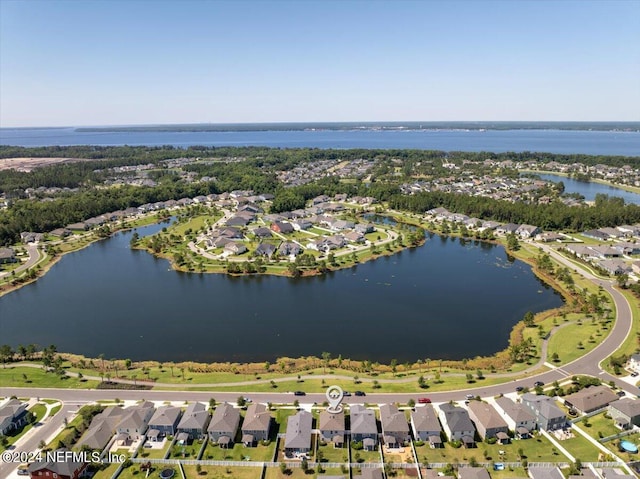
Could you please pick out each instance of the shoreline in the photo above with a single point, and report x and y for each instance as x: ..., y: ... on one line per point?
x: 627, y: 188
x: 498, y: 361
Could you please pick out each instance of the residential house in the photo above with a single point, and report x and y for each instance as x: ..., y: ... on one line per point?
x: 281, y: 227
x: 425, y: 425
x: 355, y: 237
x: 364, y: 228
x: 615, y: 266
x: 625, y: 413
x: 7, y: 255
x: 300, y: 225
x: 517, y: 416
x: 542, y: 472
x: 635, y: 267
x: 457, y: 424
x: 30, y: 237
x: 13, y: 415
x: 238, y: 220
x: 165, y: 420
x: 606, y: 251
x: 298, y: 435
x: 489, y: 423
x: 634, y: 363
x: 509, y: 228
x: 615, y: 473
x: 590, y: 399
x: 265, y: 249
x: 235, y: 247
x: 262, y: 232
x: 332, y: 428
x: 370, y: 473
x: 65, y: 468
x: 363, y: 427
x: 256, y: 425
x: 527, y: 231
x: 60, y: 232
x: 395, y: 429
x: 135, y: 422
x: 224, y: 425
x: 289, y: 248
x: 339, y: 225
x: 473, y: 473
x: 194, y: 421
x: 596, y: 234
x: 548, y: 415
x: 102, y: 428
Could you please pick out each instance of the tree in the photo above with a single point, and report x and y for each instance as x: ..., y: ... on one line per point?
x: 241, y: 402
x: 528, y: 319
x: 6, y: 354
x: 394, y: 366
x: 326, y: 357
x: 622, y: 280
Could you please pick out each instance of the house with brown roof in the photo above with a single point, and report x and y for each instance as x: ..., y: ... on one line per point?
x: 590, y: 399
x: 395, y: 429
x: 224, y: 425
x: 425, y: 425
x: 488, y: 422
x: 256, y: 425
x: 65, y: 468
x: 332, y: 427
x: 7, y: 255
x: 134, y: 422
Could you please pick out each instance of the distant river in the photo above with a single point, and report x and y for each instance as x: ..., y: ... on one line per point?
x: 554, y: 141
x: 590, y: 189
x: 442, y: 300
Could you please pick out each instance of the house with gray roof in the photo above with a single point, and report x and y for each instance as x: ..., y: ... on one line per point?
x: 165, y: 420
x: 235, y: 247
x: 262, y: 232
x: 395, y: 429
x: 289, y: 248
x: 625, y: 413
x: 224, y: 425
x: 332, y: 427
x: 590, y: 399
x: 298, y: 435
x: 548, y: 415
x: 13, y: 415
x: 135, y: 421
x: 7, y: 255
x: 265, y: 249
x: 256, y: 425
x: 363, y: 426
x: 194, y: 421
x: 370, y: 473
x: 488, y: 422
x: 425, y: 425
x: 518, y: 417
x: 473, y: 473
x: 542, y: 472
x: 67, y: 469
x: 102, y: 428
x: 457, y: 424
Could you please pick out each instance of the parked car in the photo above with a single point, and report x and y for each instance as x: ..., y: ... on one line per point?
x: 519, y: 388
x: 538, y: 384
x: 634, y: 374
x: 299, y: 393
x: 424, y: 401
x: 346, y: 393
x: 621, y: 393
x: 360, y: 393
x: 470, y: 396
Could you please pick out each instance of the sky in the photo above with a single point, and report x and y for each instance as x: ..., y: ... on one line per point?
x: 127, y: 62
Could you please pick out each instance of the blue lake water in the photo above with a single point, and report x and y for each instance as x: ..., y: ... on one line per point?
x: 589, y: 189
x: 445, y: 299
x: 554, y: 141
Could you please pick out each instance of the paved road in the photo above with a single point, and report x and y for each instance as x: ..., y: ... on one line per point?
x: 34, y: 257
x: 588, y: 364
x: 41, y: 431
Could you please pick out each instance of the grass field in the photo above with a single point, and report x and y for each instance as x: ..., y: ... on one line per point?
x: 219, y: 472
x: 580, y: 448
x: 35, y: 377
x: 239, y: 452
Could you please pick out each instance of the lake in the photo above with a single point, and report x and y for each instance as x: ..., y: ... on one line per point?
x: 590, y: 189
x: 446, y: 299
x: 548, y: 140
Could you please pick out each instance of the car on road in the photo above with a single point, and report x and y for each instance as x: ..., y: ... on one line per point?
x: 346, y: 393
x: 519, y: 388
x: 299, y: 393
x: 424, y: 400
x: 470, y: 396
x: 620, y: 393
x: 538, y: 384
x: 360, y: 393
x: 634, y: 374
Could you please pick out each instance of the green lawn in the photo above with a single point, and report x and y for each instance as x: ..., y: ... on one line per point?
x: 365, y: 456
x: 38, y: 410
x: 281, y: 416
x: 536, y: 449
x: 599, y: 426
x: 15, y: 377
x: 566, y: 343
x: 155, y: 453
x: 333, y: 454
x: 580, y: 448
x: 188, y: 451
x: 239, y: 452
x: 219, y: 472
